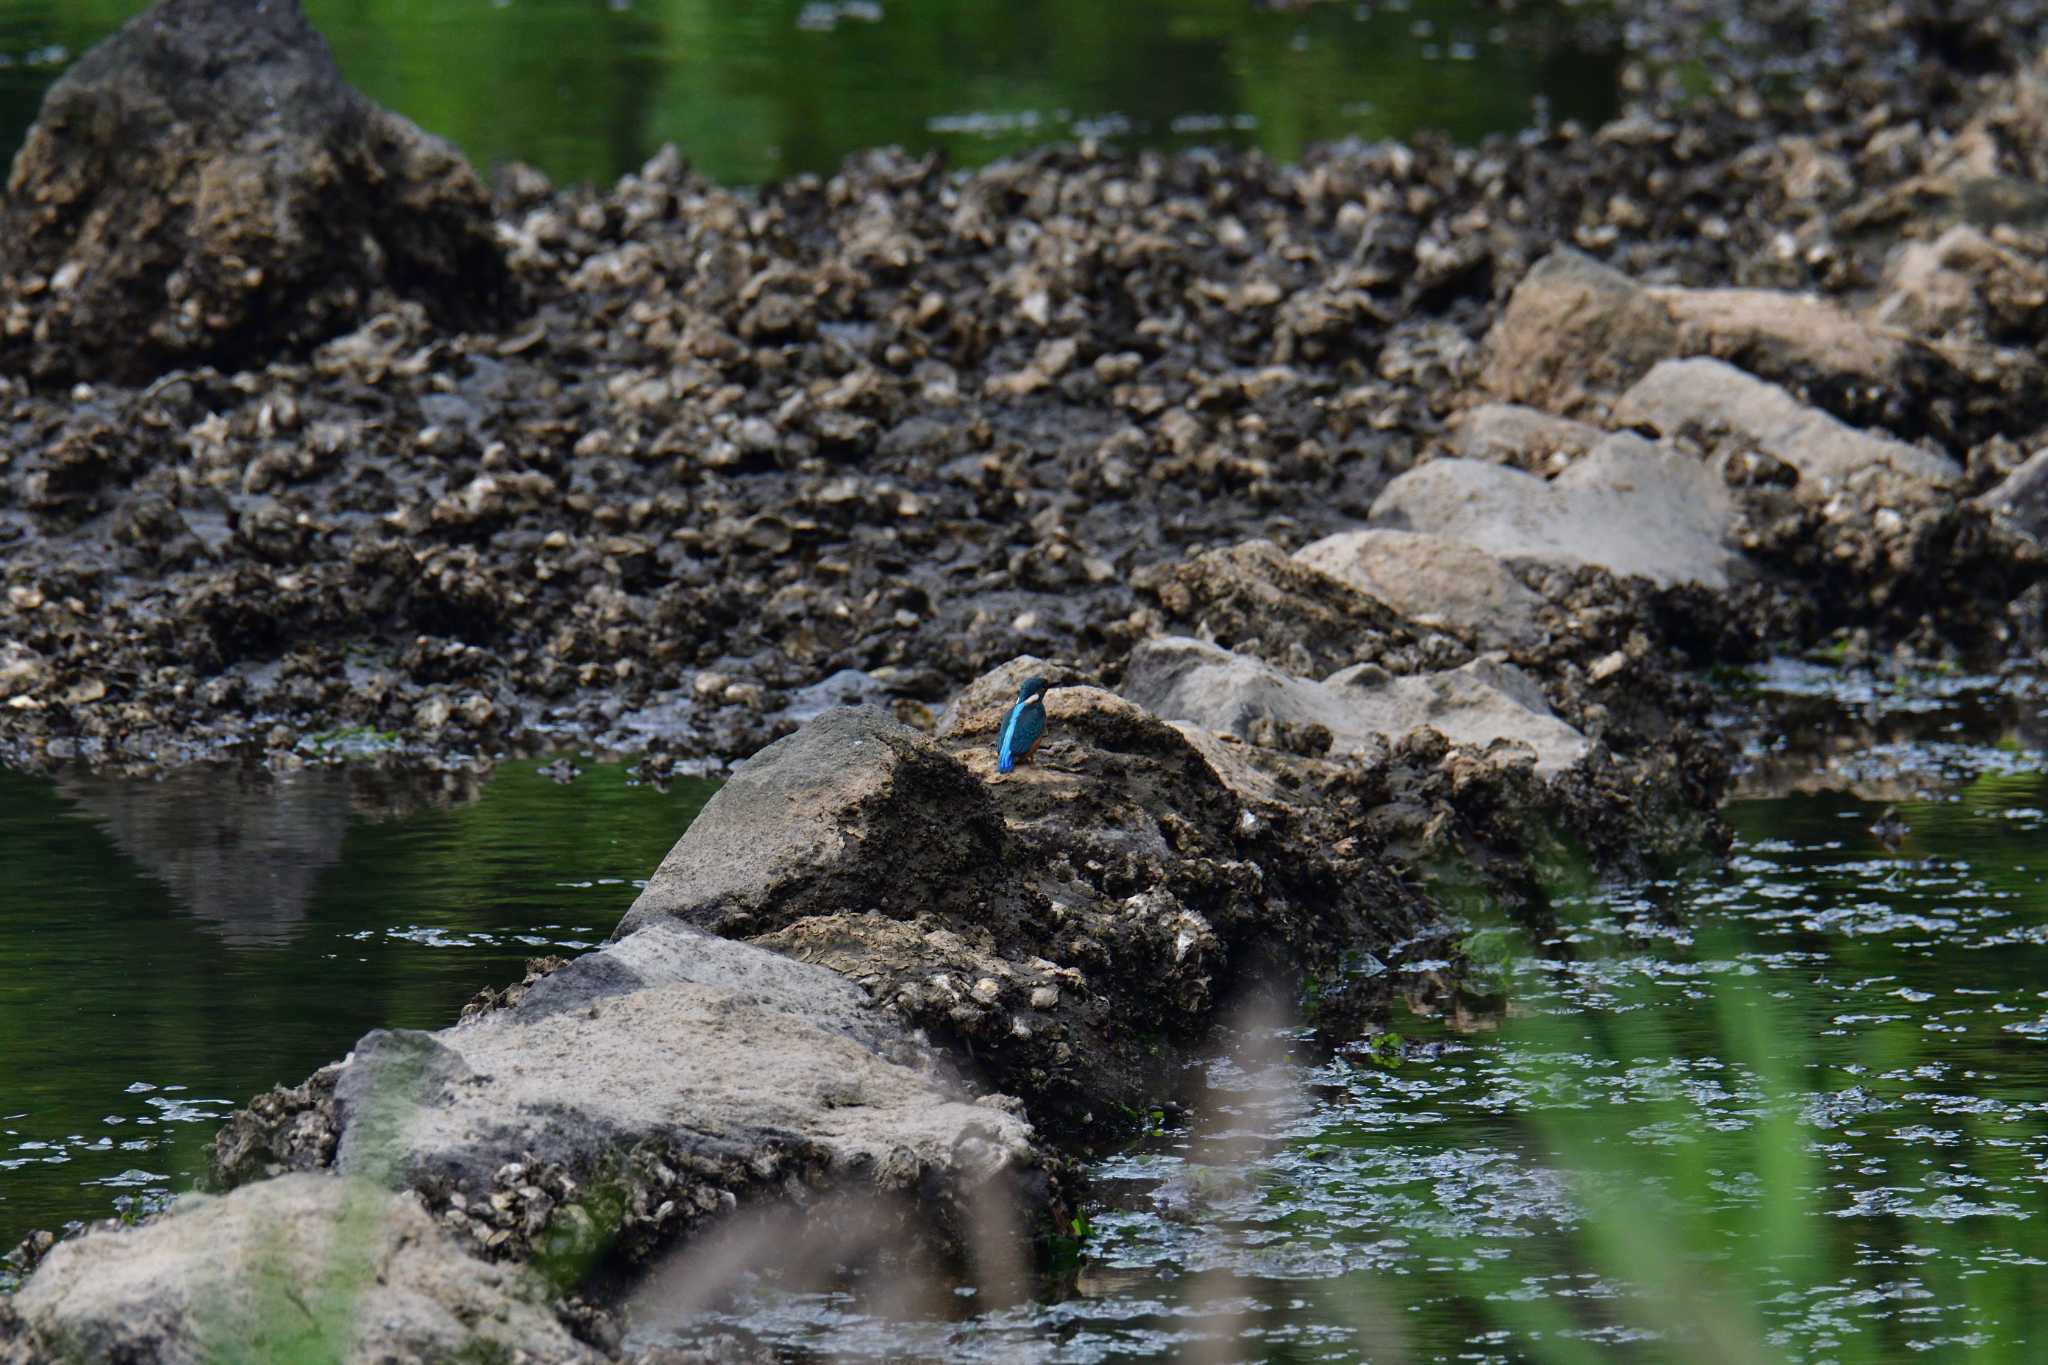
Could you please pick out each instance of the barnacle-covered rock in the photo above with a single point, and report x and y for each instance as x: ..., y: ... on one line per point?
x: 204, y: 188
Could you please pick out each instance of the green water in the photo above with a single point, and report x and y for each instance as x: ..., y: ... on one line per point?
x: 172, y: 948
x: 763, y: 89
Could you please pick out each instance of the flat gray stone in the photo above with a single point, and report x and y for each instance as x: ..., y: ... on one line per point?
x: 729, y: 1052
x: 1485, y: 701
x: 1190, y: 680
x: 303, y: 1267
x: 667, y: 952
x: 1632, y: 507
x: 1705, y: 395
x: 1435, y: 581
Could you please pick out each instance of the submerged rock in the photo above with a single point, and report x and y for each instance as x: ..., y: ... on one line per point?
x: 204, y: 188
x: 1630, y: 507
x: 306, y: 1267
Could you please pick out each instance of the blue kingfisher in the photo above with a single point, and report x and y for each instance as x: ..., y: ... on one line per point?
x: 1025, y: 726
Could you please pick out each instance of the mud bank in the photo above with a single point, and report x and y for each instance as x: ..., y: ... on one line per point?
x: 748, y: 454
x: 1372, y: 517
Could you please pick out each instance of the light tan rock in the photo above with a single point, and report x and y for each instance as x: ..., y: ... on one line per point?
x: 1435, y: 581
x: 1576, y: 333
x: 1631, y: 507
x: 1573, y: 331
x: 1769, y: 331
x: 1205, y: 685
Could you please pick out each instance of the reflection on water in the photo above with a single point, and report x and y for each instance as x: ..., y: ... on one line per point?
x: 173, y: 947
x: 1790, y: 1107
x: 242, y: 851
x: 762, y: 90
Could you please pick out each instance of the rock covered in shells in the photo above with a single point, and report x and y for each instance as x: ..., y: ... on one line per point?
x: 204, y: 188
x: 752, y: 437
x: 1361, y: 709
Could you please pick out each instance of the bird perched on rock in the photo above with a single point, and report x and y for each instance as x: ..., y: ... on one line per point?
x: 1024, y: 727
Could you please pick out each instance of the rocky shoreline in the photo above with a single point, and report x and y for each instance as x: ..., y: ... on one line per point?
x: 1375, y: 519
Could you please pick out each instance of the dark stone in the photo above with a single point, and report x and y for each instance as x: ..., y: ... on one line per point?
x: 843, y: 814
x: 205, y: 188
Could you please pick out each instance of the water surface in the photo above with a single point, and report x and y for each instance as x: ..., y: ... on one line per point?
x: 174, y: 947
x: 760, y: 90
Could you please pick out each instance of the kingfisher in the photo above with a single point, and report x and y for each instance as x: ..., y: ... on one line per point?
x: 1025, y: 726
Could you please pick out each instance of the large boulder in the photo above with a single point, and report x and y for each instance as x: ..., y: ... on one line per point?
x: 1061, y: 930
x: 1363, y: 707
x: 1702, y: 396
x: 1631, y: 507
x: 1435, y: 581
x: 204, y: 188
x: 840, y: 814
x: 745, y: 1070
x: 305, y: 1267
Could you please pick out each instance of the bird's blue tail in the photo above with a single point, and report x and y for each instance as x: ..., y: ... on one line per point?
x: 1006, y: 751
